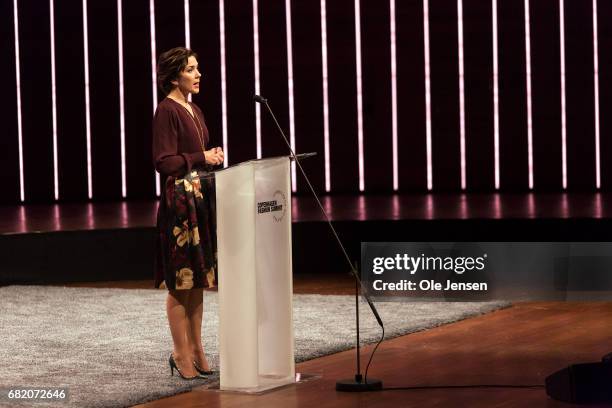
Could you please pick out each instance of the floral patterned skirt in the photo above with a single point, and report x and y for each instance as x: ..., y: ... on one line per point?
x: 186, y: 244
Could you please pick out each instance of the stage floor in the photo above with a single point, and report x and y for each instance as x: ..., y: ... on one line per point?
x: 519, y: 345
x: 139, y: 214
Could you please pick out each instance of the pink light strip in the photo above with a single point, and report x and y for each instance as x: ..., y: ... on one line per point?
x: 563, y: 100
x: 18, y: 83
x: 461, y: 92
x: 596, y: 87
x: 223, y: 80
x: 394, y: 94
x: 427, y: 93
x: 87, y: 103
x: 290, y: 88
x: 154, y: 76
x: 187, y: 31
x: 359, y: 94
x: 53, y: 99
x: 257, y: 89
x: 325, y: 95
x: 121, y: 98
x: 495, y: 96
x: 528, y: 84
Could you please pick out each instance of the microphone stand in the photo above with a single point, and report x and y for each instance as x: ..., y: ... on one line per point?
x: 358, y: 383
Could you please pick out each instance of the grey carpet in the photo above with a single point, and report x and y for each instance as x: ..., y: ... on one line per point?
x: 110, y: 347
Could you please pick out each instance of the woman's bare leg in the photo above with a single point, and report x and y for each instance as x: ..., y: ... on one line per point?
x: 177, y: 305
x: 194, y: 315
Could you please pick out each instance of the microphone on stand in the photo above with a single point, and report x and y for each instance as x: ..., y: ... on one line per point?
x: 359, y: 383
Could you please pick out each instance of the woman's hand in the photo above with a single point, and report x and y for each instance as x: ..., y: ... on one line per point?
x: 214, y: 156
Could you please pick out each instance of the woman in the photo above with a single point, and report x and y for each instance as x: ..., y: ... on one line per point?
x: 186, y: 243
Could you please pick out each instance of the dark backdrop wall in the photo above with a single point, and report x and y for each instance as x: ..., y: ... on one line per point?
x: 407, y: 97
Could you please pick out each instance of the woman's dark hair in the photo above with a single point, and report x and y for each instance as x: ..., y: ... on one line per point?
x: 169, y: 66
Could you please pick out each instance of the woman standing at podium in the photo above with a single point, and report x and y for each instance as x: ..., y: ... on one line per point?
x: 186, y: 237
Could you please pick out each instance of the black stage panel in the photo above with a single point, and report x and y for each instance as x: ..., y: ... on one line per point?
x: 376, y: 73
x: 546, y: 94
x: 138, y: 99
x: 308, y: 90
x: 580, y: 91
x: 70, y: 80
x: 604, y: 14
x: 411, y: 115
x: 513, y: 147
x: 9, y: 143
x: 104, y: 100
x: 446, y: 153
x: 205, y: 40
x: 240, y: 62
x: 273, y: 75
x: 478, y: 79
x: 342, y: 72
x: 36, y: 104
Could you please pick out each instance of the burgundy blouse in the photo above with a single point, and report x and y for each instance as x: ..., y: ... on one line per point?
x: 178, y: 138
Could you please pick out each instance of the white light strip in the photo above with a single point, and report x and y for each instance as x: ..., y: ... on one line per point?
x: 359, y: 93
x: 18, y: 84
x: 563, y: 105
x: 187, y: 31
x: 121, y: 98
x: 495, y: 97
x: 154, y: 76
x: 187, y: 28
x: 528, y: 81
x: 290, y: 88
x: 256, y: 60
x: 427, y: 93
x: 87, y: 106
x: 461, y: 92
x: 223, y: 80
x: 325, y: 95
x: 394, y: 95
x: 596, y: 85
x: 53, y: 99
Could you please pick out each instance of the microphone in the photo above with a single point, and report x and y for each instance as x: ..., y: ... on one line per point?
x: 260, y: 99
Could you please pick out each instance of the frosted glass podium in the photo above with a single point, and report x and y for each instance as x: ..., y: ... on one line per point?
x: 256, y: 347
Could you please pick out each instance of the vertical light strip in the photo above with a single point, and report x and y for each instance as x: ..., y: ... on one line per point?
x: 154, y: 76
x: 596, y: 87
x: 528, y: 81
x: 187, y: 28
x: 18, y: 83
x: 495, y: 97
x: 87, y: 105
x: 290, y: 88
x: 393, y: 95
x: 563, y: 104
x: 427, y: 93
x: 223, y: 80
x: 121, y: 97
x: 359, y: 93
x: 325, y: 95
x: 461, y: 92
x: 53, y: 99
x: 256, y: 58
x: 187, y: 31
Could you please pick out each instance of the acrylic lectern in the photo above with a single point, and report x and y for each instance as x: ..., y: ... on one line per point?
x: 256, y: 346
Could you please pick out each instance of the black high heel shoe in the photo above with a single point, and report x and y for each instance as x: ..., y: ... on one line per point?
x: 173, y: 366
x: 202, y: 372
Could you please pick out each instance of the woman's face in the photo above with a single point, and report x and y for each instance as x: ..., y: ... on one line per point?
x: 189, y: 78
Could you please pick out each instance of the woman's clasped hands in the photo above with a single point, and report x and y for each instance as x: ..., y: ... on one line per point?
x: 214, y: 156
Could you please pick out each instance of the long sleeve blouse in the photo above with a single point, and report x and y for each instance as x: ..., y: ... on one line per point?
x: 179, y: 139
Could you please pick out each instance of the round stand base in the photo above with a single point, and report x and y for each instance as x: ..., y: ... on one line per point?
x: 351, y: 385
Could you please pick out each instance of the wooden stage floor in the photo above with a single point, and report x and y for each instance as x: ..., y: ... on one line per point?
x: 519, y: 345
